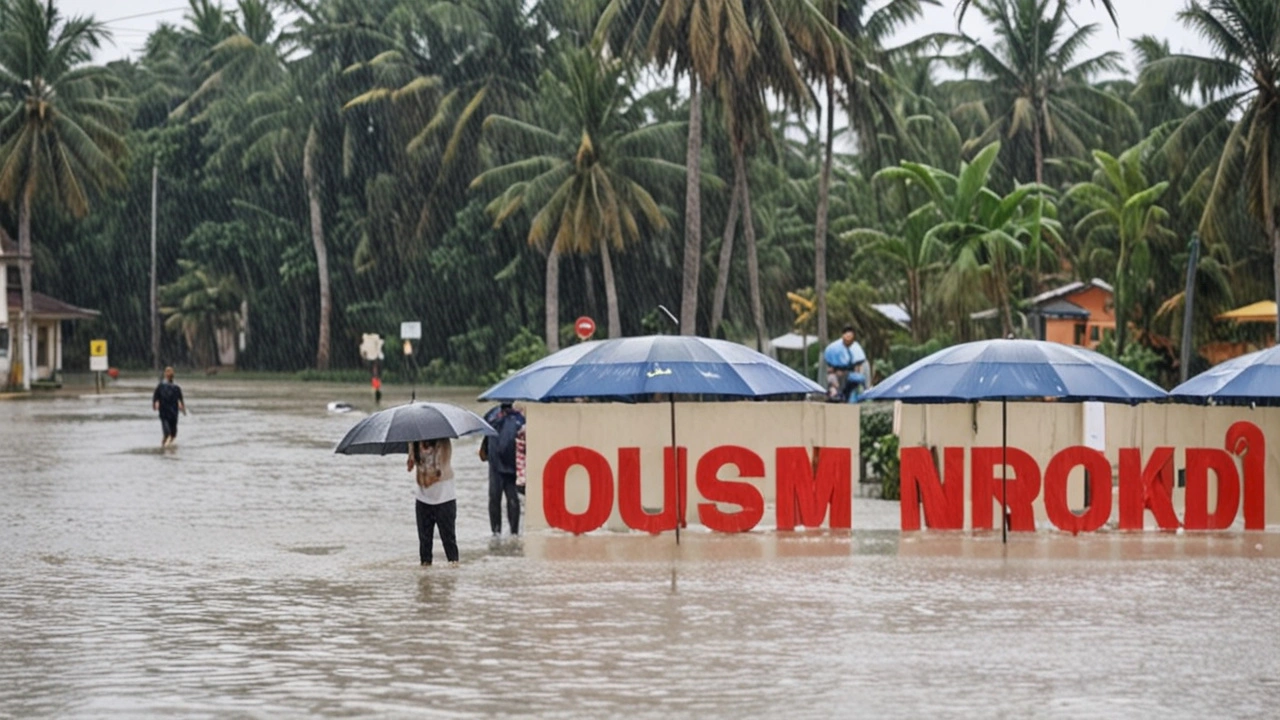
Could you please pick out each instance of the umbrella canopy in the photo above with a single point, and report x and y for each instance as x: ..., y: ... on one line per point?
x: 391, y: 430
x: 1252, y: 379
x: 1261, y: 311
x: 1015, y: 370
x: 630, y: 368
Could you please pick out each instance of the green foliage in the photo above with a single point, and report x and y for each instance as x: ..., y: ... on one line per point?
x: 1137, y: 357
x: 521, y: 350
x: 879, y: 448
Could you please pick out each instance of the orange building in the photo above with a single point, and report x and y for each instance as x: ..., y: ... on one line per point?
x: 1079, y: 313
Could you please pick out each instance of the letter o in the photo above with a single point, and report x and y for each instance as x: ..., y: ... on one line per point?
x: 600, y: 484
x: 1055, y: 489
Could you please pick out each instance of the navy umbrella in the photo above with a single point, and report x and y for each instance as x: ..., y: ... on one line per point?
x: 1252, y: 379
x: 1007, y: 370
x: 638, y: 367
x: 391, y: 430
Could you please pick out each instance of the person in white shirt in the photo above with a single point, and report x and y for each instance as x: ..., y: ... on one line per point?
x: 437, y: 498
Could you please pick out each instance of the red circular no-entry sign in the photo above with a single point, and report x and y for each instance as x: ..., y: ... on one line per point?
x: 585, y: 327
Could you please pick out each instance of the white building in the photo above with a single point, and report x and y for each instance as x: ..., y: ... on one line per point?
x: 47, y: 314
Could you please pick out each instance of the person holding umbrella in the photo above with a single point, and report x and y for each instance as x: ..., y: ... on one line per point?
x: 425, y: 430
x: 436, y: 497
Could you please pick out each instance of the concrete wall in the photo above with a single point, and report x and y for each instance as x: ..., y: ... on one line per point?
x: 1042, y: 429
x: 604, y: 427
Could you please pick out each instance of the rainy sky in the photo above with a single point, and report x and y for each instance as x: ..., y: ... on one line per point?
x: 131, y: 20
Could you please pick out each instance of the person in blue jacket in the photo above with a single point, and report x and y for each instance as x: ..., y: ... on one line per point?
x: 500, y: 453
x: 845, y: 362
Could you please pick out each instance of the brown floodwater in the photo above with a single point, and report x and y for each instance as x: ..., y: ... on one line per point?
x: 250, y: 572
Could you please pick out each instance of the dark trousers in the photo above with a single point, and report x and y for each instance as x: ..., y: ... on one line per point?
x: 169, y: 423
x: 503, y: 484
x: 445, y: 515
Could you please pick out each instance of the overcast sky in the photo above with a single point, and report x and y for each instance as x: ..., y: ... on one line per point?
x: 131, y: 20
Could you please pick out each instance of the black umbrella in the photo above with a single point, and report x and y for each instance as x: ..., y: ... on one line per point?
x: 390, y: 431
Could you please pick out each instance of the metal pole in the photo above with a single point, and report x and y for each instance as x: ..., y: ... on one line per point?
x: 675, y: 463
x: 1004, y: 470
x: 155, y: 309
x: 1188, y: 299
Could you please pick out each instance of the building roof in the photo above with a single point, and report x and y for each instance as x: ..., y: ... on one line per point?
x: 1070, y: 289
x: 44, y: 307
x: 1061, y: 309
x: 894, y: 312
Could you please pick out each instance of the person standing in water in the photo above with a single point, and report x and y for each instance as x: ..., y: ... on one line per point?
x: 167, y: 400
x: 437, y: 498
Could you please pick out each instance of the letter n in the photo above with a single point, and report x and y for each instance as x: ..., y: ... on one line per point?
x: 943, y: 502
x: 806, y: 489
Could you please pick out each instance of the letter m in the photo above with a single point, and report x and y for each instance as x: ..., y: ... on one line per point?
x: 807, y: 488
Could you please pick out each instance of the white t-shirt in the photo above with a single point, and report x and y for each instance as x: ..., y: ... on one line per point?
x: 435, y: 455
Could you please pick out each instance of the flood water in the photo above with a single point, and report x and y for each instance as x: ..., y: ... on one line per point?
x: 250, y: 572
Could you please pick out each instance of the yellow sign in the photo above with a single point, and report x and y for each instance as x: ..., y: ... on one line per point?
x: 97, y: 348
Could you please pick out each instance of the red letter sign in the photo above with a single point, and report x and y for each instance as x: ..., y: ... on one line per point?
x: 806, y: 490
x: 600, y: 479
x: 1150, y: 487
x: 1024, y: 486
x: 629, y: 505
x: 1199, y: 462
x: 1244, y: 438
x: 739, y: 493
x: 943, y: 502
x: 1055, y: 489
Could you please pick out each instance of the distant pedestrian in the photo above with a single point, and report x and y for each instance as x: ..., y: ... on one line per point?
x: 436, y: 498
x: 500, y: 452
x: 167, y: 400
x: 845, y: 361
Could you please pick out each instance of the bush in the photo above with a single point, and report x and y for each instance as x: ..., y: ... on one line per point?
x: 879, y: 449
x: 521, y: 350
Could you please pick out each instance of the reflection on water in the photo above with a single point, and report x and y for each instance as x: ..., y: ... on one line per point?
x: 250, y: 571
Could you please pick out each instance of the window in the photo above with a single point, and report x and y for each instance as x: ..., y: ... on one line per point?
x: 4, y: 342
x: 42, y: 345
x: 1093, y: 334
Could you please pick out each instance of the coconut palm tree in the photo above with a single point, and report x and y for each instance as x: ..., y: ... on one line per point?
x: 60, y: 126
x: 588, y: 173
x: 1231, y: 144
x: 1033, y: 92
x: 1124, y: 207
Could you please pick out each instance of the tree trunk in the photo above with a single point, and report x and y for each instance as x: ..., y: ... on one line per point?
x: 749, y: 233
x: 24, y: 273
x: 610, y: 292
x: 317, y: 239
x: 692, y: 215
x: 1122, y: 298
x: 913, y: 307
x: 1275, y: 271
x: 1039, y: 151
x: 553, y: 300
x: 726, y: 259
x: 820, y: 228
x: 589, y: 287
x: 1273, y: 233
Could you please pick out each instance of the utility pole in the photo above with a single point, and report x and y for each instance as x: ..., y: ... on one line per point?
x: 155, y: 308
x: 1188, y: 300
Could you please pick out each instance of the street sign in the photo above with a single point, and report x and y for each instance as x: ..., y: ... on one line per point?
x: 411, y: 330
x: 371, y: 346
x: 98, y: 356
x: 585, y: 327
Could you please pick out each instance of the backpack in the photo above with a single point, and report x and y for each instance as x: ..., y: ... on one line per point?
x: 502, y: 447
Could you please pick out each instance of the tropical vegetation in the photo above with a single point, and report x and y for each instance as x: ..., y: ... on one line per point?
x: 497, y: 168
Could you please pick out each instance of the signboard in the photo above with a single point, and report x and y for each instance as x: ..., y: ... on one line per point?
x: 585, y: 327
x: 411, y: 330
x: 371, y: 346
x: 98, y: 356
x: 740, y: 465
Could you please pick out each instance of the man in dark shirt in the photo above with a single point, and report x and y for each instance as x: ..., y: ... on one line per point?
x: 500, y: 453
x: 167, y: 399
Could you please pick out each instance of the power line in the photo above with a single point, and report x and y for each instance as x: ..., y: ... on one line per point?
x: 141, y: 15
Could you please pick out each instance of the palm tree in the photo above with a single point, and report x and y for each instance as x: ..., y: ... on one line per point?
x: 1238, y: 132
x: 61, y: 128
x: 984, y: 233
x: 1034, y: 92
x: 199, y: 304
x: 588, y: 174
x: 917, y: 253
x: 1124, y: 207
x: 857, y: 65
